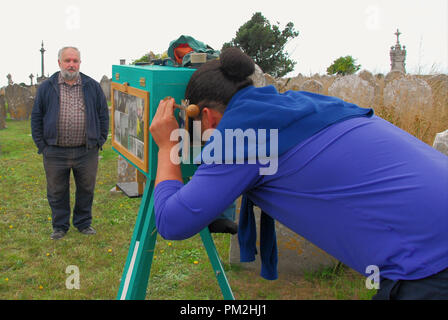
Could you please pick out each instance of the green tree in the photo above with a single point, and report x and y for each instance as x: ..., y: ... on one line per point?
x: 343, y: 66
x: 265, y: 44
x: 150, y: 56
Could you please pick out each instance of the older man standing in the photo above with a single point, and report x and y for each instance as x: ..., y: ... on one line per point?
x: 70, y: 123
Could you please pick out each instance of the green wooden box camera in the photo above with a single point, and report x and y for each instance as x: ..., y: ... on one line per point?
x: 135, y: 94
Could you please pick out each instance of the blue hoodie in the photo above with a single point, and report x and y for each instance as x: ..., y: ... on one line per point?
x: 296, y: 116
x: 356, y: 186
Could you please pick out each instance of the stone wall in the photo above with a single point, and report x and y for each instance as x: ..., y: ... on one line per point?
x: 20, y: 100
x: 366, y: 89
x: 416, y: 103
x: 441, y: 142
x: 2, y: 112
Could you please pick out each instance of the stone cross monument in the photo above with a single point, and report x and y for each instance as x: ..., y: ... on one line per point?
x: 9, y: 77
x: 42, y: 50
x: 398, y: 55
x: 42, y: 76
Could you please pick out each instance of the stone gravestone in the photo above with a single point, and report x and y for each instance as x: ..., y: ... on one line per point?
x: 2, y: 112
x: 441, y: 142
x: 439, y: 87
x: 293, y: 83
x: 258, y: 77
x: 127, y: 179
x: 408, y: 92
x: 105, y: 85
x: 296, y: 255
x: 378, y: 94
x: 353, y: 89
x: 9, y: 77
x: 394, y: 75
x: 20, y: 102
x: 270, y: 80
x: 312, y: 86
x: 126, y: 172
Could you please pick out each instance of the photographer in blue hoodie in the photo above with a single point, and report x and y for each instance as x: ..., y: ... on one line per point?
x: 69, y: 124
x: 353, y: 184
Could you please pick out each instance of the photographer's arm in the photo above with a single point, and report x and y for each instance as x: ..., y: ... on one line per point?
x: 184, y: 210
x: 161, y: 127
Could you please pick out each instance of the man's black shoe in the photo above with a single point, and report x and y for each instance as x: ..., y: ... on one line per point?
x: 58, y: 234
x: 89, y: 231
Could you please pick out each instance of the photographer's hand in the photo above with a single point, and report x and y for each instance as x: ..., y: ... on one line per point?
x: 161, y: 127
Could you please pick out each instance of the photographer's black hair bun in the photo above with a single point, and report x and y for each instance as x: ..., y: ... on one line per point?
x: 236, y: 64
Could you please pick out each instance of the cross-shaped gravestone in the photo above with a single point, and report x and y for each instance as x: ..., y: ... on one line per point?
x: 398, y: 33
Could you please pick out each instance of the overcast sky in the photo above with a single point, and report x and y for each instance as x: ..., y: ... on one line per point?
x: 108, y: 30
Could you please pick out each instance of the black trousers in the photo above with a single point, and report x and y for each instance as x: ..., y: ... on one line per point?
x: 59, y: 162
x: 434, y: 287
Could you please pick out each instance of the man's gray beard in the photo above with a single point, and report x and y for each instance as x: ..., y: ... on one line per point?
x: 69, y: 76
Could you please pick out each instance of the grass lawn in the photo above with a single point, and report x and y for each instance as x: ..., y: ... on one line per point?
x: 32, y: 266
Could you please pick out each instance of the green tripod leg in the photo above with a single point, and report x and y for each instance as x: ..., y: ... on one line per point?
x: 209, y: 245
x: 141, y: 250
x: 137, y: 270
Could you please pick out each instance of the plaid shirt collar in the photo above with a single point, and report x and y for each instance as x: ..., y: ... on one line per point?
x: 61, y: 80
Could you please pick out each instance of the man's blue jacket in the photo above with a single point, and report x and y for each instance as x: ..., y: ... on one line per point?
x: 45, y: 114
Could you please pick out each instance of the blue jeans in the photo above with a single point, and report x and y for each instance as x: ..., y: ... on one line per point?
x: 58, y: 163
x: 434, y: 287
